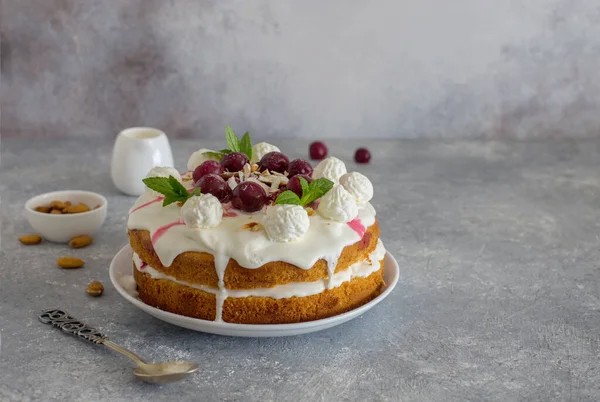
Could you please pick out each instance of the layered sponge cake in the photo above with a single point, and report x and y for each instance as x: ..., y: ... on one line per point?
x: 246, y: 236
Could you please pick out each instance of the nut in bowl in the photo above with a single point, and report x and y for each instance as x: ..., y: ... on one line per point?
x: 60, y: 225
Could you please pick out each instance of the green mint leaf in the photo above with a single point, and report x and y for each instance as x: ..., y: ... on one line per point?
x: 159, y: 184
x: 322, y: 186
x: 178, y: 188
x: 218, y: 155
x: 288, y: 197
x: 316, y: 189
x: 170, y: 199
x: 196, y: 192
x: 225, y: 151
x: 304, y: 184
x: 246, y: 145
x: 172, y: 189
x: 232, y: 140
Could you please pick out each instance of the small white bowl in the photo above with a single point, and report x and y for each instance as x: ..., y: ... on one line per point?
x: 62, y: 228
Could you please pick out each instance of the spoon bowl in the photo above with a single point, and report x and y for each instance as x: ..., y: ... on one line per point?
x: 163, y: 373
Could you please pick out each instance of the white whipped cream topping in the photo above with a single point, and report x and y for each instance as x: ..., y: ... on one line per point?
x: 164, y: 171
x: 296, y: 289
x: 285, y: 223
x: 198, y: 157
x: 358, y: 185
x: 338, y: 205
x: 330, y: 168
x: 202, y: 212
x: 261, y: 149
x: 324, y: 239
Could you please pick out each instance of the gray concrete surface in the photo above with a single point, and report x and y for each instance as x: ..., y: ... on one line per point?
x: 499, y: 296
x: 384, y: 68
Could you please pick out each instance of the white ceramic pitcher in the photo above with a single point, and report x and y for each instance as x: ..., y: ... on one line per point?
x: 136, y: 151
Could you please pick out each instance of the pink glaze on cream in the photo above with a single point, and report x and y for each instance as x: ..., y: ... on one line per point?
x: 358, y: 227
x: 163, y: 229
x: 228, y: 211
x: 146, y: 204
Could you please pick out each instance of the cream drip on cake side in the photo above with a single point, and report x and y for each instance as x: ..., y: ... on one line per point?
x: 297, y: 289
x: 325, y: 239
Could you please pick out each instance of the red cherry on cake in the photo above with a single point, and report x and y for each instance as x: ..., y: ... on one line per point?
x: 300, y: 166
x: 205, y: 168
x: 234, y: 161
x: 274, y: 162
x: 215, y: 185
x: 295, y: 186
x: 317, y: 150
x: 249, y: 197
x: 362, y: 155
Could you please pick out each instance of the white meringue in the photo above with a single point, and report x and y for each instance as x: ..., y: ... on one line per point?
x: 164, y: 171
x: 338, y: 205
x: 358, y: 185
x: 198, y: 157
x: 330, y: 168
x: 261, y: 149
x: 203, y: 211
x: 284, y: 223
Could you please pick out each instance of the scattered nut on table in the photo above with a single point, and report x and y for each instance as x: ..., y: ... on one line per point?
x: 70, y: 262
x: 30, y: 239
x: 80, y: 241
x: 95, y: 289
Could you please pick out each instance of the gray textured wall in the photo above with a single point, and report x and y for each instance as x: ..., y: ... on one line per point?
x: 384, y: 68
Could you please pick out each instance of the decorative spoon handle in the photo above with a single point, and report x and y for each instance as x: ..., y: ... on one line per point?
x: 62, y: 320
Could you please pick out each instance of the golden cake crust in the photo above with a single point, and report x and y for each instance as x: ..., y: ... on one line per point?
x: 198, y: 268
x: 185, y: 300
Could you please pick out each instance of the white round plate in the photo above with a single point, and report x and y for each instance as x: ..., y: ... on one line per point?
x: 122, y: 265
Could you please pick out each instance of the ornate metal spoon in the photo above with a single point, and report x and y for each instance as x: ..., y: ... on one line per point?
x: 160, y: 373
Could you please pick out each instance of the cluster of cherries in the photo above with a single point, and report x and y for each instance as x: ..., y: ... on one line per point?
x: 249, y: 196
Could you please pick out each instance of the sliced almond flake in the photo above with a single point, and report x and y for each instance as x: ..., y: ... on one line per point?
x: 232, y: 183
x: 263, y: 185
x: 281, y: 176
x: 247, y: 170
x: 275, y: 185
x: 275, y: 181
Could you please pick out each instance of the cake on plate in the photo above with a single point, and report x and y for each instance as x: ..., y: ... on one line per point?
x: 247, y: 236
